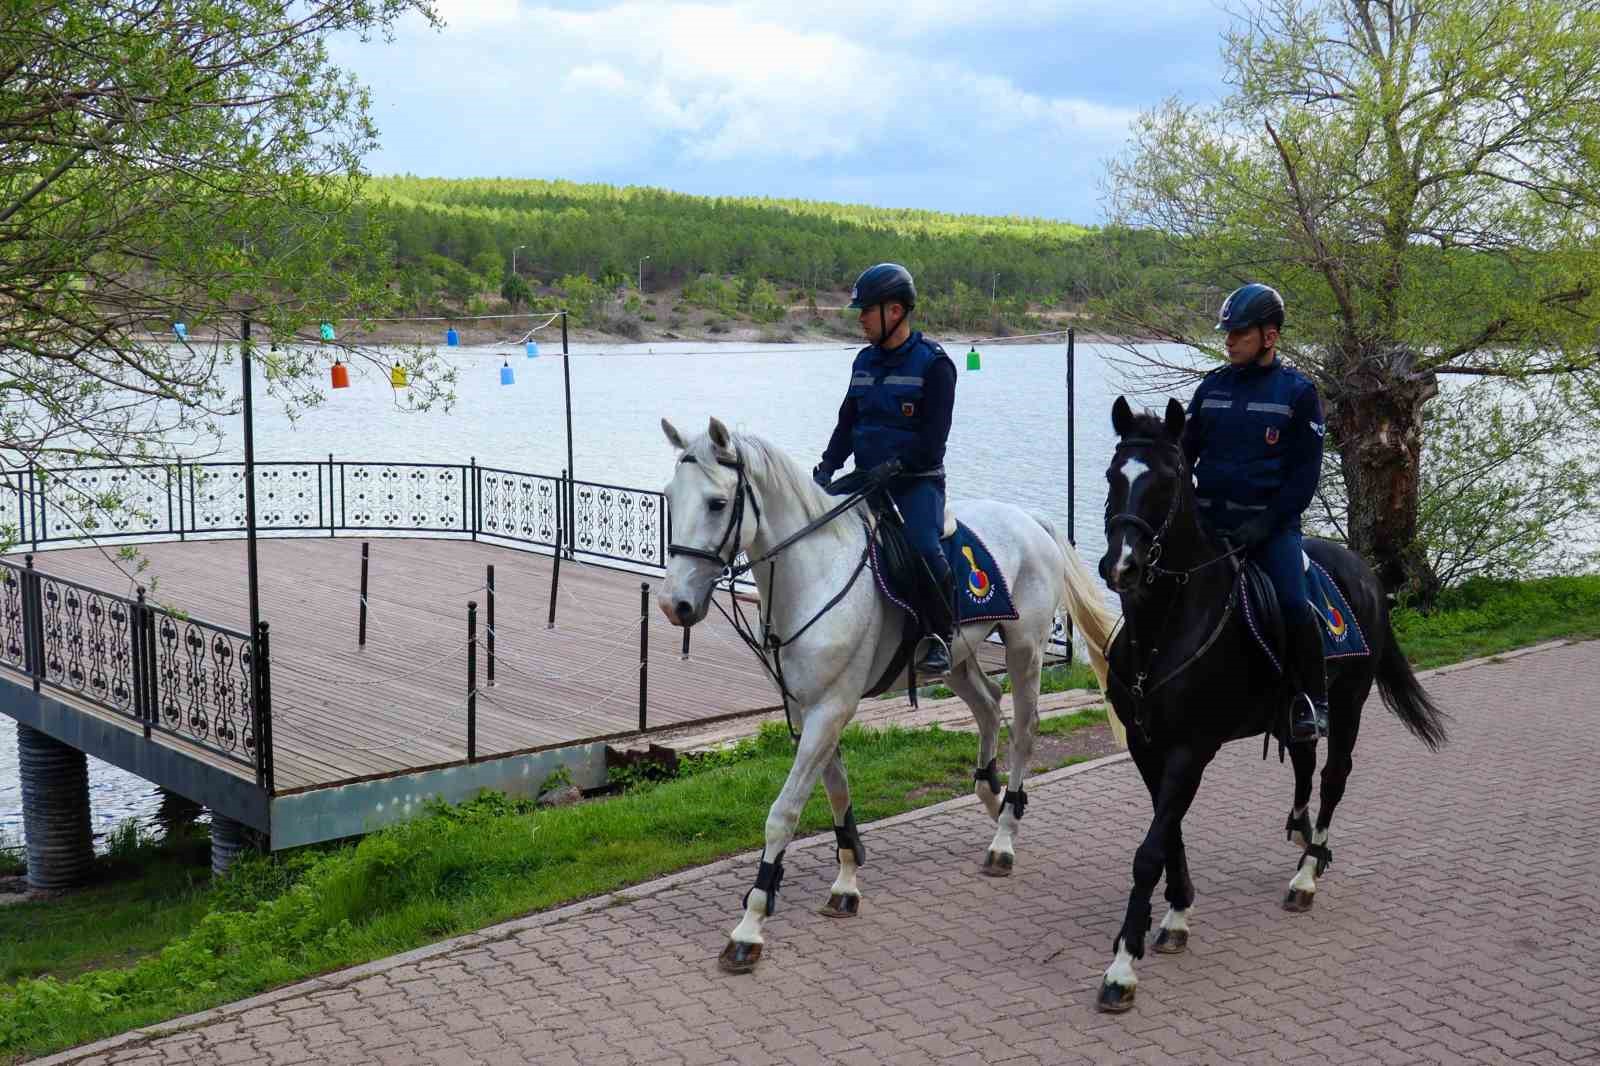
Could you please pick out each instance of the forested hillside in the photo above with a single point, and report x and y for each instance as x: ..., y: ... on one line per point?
x: 750, y: 258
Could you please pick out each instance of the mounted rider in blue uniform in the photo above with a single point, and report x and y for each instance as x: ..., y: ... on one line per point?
x: 1254, y: 441
x: 902, y: 394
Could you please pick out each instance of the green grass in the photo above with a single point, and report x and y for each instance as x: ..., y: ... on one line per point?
x: 1486, y: 617
x: 280, y: 918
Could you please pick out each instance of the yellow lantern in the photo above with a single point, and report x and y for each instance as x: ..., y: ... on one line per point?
x: 397, y: 377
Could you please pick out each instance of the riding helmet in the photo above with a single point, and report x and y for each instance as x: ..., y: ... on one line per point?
x: 1254, y: 304
x: 881, y: 284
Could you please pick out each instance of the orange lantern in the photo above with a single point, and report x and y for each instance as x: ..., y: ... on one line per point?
x: 341, y: 375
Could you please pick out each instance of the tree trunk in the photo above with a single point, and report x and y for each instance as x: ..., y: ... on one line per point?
x: 1375, y: 415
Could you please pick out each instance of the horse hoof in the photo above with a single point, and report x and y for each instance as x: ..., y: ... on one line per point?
x: 1298, y: 901
x: 739, y: 957
x: 1114, y: 999
x: 998, y: 864
x: 840, y: 906
x: 1171, y: 941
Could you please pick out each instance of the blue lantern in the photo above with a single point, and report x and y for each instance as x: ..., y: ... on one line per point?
x: 506, y: 375
x: 181, y: 330
x: 451, y: 337
x: 532, y: 348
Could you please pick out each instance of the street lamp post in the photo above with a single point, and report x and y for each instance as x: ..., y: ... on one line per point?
x: 514, y: 252
x: 641, y: 275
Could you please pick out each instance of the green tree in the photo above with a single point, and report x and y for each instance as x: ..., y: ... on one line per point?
x: 1422, y: 179
x: 514, y: 290
x: 168, y: 161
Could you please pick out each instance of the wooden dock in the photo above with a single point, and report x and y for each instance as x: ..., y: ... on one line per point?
x: 343, y: 713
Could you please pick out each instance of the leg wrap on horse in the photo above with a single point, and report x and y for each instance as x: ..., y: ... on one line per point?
x: 848, y: 836
x: 1135, y: 926
x: 1322, y: 853
x: 991, y: 774
x: 1298, y: 823
x: 1017, y: 801
x: 768, y: 877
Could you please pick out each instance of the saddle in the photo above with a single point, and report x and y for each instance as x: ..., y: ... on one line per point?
x: 1341, y: 632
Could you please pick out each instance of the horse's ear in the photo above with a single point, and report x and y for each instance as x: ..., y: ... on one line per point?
x: 720, y: 437
x: 1174, y: 419
x: 673, y: 436
x: 1121, y: 416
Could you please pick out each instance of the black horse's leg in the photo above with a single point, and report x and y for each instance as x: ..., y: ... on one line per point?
x: 1180, y: 771
x: 1298, y: 827
x: 1344, y: 725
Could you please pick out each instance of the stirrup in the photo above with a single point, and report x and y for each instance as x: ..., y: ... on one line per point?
x: 1306, y: 726
x: 934, y: 661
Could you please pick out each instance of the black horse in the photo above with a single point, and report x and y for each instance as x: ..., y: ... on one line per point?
x: 1186, y: 676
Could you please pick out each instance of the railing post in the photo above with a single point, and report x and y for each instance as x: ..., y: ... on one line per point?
x: 472, y: 681
x: 22, y: 506
x: 644, y: 650
x: 361, y: 634
x: 170, y: 527
x: 33, y: 623
x: 477, y: 515
x: 489, y: 680
x: 331, y: 522
x: 466, y: 503
x: 555, y: 562
x: 686, y: 631
x: 194, y: 500
x: 263, y: 711
x: 141, y: 692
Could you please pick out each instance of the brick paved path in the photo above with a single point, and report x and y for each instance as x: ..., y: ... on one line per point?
x: 1458, y: 924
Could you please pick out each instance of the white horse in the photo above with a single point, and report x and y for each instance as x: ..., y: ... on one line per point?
x: 732, y: 493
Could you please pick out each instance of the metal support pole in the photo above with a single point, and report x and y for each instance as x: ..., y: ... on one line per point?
x: 490, y: 627
x: 136, y: 637
x: 686, y: 643
x: 264, y: 770
x: 644, y: 649
x: 477, y: 510
x: 555, y: 563
x: 472, y: 680
x: 1072, y: 442
x: 251, y: 563
x: 330, y: 495
x: 361, y: 633
x: 33, y: 623
x: 566, y: 387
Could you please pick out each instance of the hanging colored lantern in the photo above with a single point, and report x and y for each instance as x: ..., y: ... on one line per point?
x: 532, y: 348
x: 451, y: 337
x: 397, y: 377
x: 973, y: 361
x: 327, y: 331
x: 181, y: 330
x: 341, y: 375
x: 507, y: 377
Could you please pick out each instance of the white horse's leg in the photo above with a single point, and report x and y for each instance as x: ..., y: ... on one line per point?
x: 844, y: 898
x: 1024, y: 659
x: 982, y: 697
x: 819, y: 738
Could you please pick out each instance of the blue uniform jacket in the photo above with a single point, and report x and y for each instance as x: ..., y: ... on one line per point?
x: 899, y: 407
x: 1254, y: 440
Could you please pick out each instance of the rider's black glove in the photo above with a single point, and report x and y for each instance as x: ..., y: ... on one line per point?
x: 885, y: 471
x: 822, y: 473
x: 1254, y: 533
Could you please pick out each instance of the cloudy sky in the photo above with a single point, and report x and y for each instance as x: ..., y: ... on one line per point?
x: 915, y: 103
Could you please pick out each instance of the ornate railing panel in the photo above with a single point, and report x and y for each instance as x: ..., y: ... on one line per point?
x: 427, y: 497
x: 168, y: 673
x: 13, y: 507
x: 104, y: 501
x: 618, y: 523
x: 524, y: 507
x: 288, y: 496
x: 203, y: 686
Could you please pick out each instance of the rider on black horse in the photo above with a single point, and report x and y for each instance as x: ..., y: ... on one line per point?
x: 1253, y: 437
x: 902, y: 394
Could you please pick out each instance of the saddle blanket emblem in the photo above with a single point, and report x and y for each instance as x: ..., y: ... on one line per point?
x: 908, y: 409
x: 1272, y: 434
x: 979, y: 588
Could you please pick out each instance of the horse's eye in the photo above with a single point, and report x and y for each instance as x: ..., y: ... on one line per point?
x: 717, y: 505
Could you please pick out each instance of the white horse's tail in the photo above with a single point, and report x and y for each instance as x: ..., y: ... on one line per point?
x: 1090, y: 615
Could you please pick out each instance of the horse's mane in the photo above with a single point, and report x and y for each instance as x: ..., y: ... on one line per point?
x: 771, y: 467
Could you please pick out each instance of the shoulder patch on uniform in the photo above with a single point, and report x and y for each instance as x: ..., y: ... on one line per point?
x: 938, y: 348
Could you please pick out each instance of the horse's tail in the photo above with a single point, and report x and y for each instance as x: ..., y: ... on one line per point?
x: 1405, y: 696
x: 1089, y: 613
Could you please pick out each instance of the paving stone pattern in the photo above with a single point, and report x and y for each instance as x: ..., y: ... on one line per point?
x: 1458, y: 924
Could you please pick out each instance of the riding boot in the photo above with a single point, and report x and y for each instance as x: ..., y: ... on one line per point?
x: 1309, y: 717
x: 941, y: 628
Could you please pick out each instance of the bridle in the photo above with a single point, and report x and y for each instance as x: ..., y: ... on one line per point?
x: 735, y: 530
x: 1153, y: 569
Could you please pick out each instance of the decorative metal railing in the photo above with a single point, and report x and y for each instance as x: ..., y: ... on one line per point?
x: 172, y: 674
x: 584, y: 518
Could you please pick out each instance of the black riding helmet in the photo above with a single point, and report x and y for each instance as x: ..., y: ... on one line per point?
x: 883, y: 284
x: 1251, y: 305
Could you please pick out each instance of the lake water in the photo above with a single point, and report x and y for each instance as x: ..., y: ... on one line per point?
x: 1008, y: 440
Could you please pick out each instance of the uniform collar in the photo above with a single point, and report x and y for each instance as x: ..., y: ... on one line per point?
x: 894, y: 355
